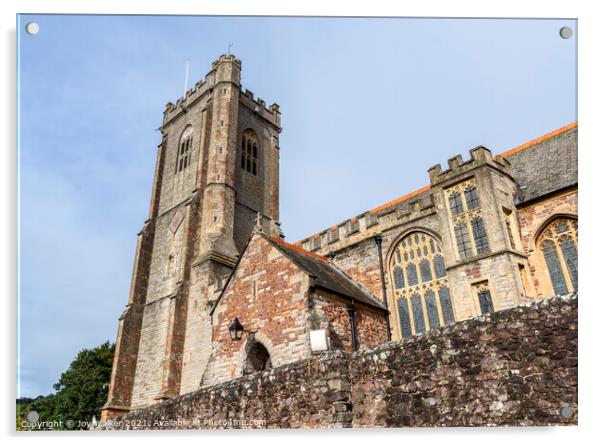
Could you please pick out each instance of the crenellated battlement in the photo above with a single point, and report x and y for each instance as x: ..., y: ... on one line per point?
x: 408, y: 208
x: 207, y: 85
x: 416, y: 205
x: 457, y: 166
x: 271, y: 113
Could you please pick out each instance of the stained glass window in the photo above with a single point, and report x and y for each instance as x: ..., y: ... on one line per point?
x: 569, y: 252
x: 446, y: 305
x: 439, y: 264
x: 472, y: 199
x: 480, y: 236
x: 463, y: 241
x: 418, y: 314
x: 412, y: 274
x: 431, y: 309
x: 404, y: 317
x: 558, y: 245
x: 485, y: 301
x: 421, y: 284
x: 455, y: 203
x: 399, y: 284
x: 425, y: 271
x: 554, y: 268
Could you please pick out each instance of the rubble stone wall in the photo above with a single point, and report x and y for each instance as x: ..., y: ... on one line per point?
x: 513, y: 367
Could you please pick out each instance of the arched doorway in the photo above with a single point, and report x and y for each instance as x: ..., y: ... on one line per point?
x: 258, y: 359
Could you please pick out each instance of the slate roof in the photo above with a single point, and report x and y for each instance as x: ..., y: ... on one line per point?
x: 546, y: 164
x: 326, y: 275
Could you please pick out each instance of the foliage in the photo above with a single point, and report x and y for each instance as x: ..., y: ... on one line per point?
x: 80, y: 393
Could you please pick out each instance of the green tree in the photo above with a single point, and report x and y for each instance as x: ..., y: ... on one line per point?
x: 80, y: 392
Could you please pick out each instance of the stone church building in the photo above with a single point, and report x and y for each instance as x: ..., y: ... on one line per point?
x: 217, y: 293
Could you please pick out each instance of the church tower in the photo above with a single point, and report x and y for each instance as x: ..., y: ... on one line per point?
x: 216, y: 170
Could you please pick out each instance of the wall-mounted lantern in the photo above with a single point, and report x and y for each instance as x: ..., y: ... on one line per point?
x: 236, y: 329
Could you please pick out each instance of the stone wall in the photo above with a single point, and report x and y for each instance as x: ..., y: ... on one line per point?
x: 513, y: 367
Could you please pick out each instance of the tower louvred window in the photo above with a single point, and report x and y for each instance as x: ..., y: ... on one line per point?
x: 184, y: 150
x: 249, y: 156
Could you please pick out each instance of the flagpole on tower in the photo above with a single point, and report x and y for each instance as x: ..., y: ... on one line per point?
x: 186, y: 77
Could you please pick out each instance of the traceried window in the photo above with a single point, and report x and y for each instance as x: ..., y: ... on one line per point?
x: 480, y: 237
x: 469, y: 226
x: 439, y: 264
x: 249, y: 157
x: 472, y: 199
x: 558, y: 245
x: 184, y: 150
x: 455, y: 203
x: 446, y: 305
x: 421, y: 289
x: 398, y: 274
x: 463, y: 240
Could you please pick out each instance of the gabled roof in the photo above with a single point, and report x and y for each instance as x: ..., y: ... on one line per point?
x: 326, y: 275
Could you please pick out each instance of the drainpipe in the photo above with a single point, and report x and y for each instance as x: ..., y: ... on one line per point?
x: 379, y: 240
x: 351, y: 312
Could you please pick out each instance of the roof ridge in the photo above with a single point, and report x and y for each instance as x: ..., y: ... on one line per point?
x: 425, y: 188
x: 539, y: 139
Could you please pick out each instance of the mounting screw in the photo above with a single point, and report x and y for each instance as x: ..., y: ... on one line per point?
x: 566, y: 32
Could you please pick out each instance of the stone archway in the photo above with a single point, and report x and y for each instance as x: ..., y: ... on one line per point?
x: 258, y: 359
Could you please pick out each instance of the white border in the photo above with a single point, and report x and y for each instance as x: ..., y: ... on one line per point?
x: 589, y: 166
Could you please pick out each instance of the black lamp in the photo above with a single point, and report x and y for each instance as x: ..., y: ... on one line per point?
x: 236, y: 329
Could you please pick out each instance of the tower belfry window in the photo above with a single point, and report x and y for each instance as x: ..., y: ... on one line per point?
x: 184, y: 150
x: 249, y: 156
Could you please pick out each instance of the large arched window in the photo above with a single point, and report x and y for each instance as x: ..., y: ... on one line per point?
x: 420, y: 286
x: 558, y: 245
x: 249, y: 158
x: 184, y: 150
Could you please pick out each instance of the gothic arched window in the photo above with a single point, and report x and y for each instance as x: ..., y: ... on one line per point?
x: 184, y: 150
x: 249, y: 157
x: 558, y: 245
x: 455, y: 203
x: 421, y: 290
x: 466, y: 217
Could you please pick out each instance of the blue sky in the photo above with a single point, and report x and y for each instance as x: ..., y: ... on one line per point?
x: 368, y: 105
